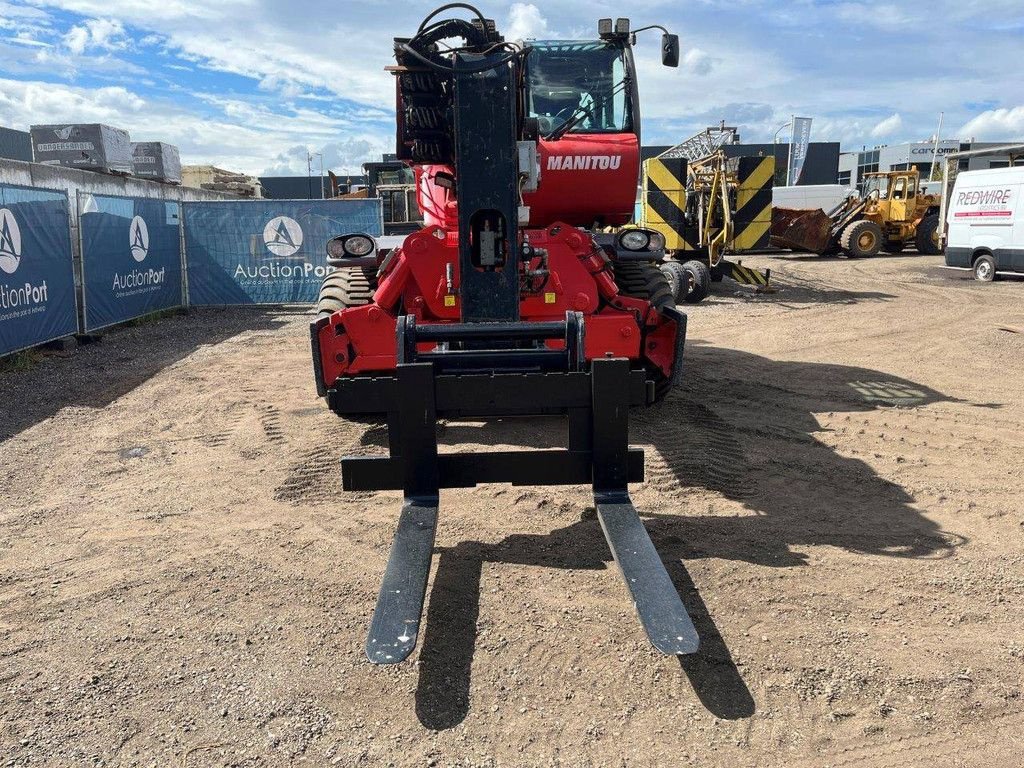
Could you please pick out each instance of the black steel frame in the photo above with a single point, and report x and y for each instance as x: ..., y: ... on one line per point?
x: 597, y: 404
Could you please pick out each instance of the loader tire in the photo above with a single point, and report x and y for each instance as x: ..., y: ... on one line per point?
x: 643, y: 280
x: 926, y: 238
x: 677, y: 278
x: 698, y: 282
x: 861, y: 238
x: 346, y: 287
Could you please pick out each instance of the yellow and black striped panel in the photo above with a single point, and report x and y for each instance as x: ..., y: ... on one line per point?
x: 746, y: 275
x: 663, y: 201
x: 752, y: 220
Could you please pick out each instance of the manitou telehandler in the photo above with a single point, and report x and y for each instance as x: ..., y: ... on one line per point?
x: 507, y: 302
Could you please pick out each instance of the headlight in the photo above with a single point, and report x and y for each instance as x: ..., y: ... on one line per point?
x: 359, y: 245
x: 634, y: 240
x: 350, y: 247
x: 336, y: 248
x: 657, y: 241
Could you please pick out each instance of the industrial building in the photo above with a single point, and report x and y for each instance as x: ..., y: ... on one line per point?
x: 308, y: 187
x: 919, y: 155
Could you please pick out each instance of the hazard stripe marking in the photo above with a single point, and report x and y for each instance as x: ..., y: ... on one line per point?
x: 760, y: 176
x: 747, y: 208
x: 662, y: 176
x: 756, y: 233
x: 667, y: 208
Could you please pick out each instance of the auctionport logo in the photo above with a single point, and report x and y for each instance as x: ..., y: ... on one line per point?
x: 138, y: 281
x: 282, y: 236
x: 25, y: 298
x: 10, y: 242
x: 138, y: 238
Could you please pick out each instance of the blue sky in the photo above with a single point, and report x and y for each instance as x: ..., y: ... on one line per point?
x: 254, y: 84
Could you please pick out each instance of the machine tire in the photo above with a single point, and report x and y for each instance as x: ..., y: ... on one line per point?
x: 985, y: 268
x: 677, y: 277
x: 346, y: 287
x: 643, y: 280
x: 894, y: 246
x: 925, y: 238
x: 343, y: 288
x: 861, y: 238
x: 698, y: 284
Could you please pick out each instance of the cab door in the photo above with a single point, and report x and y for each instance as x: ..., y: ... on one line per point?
x: 901, y: 198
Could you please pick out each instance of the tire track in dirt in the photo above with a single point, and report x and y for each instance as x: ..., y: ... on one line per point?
x: 693, y: 447
x: 930, y: 750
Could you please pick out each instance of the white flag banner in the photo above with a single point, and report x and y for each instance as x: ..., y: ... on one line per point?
x: 798, y: 148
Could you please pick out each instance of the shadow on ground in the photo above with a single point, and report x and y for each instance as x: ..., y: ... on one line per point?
x: 743, y: 426
x: 97, y: 374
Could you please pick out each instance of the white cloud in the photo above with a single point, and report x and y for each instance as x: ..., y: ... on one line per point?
x: 887, y: 127
x: 696, y: 61
x: 525, y: 22
x: 97, y: 34
x: 996, y: 124
x: 769, y: 60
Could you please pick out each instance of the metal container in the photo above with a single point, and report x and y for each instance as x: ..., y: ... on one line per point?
x: 91, y: 147
x: 15, y: 145
x: 157, y: 161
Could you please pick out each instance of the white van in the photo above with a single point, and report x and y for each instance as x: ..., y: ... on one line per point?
x: 985, y: 223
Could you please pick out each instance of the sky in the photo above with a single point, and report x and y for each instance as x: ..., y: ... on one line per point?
x: 256, y: 85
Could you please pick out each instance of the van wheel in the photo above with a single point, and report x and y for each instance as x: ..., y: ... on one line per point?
x: 985, y: 268
x: 927, y: 236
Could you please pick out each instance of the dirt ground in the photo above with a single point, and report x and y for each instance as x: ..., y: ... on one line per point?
x: 836, y: 490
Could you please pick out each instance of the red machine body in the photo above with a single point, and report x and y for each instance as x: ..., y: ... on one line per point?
x: 585, y: 181
x: 361, y: 340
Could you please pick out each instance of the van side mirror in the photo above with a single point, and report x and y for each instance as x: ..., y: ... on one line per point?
x: 670, y: 50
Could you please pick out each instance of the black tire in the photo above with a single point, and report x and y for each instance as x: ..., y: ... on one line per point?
x: 894, y: 246
x: 861, y: 238
x: 985, y: 268
x: 643, y: 280
x: 698, y: 284
x: 926, y: 238
x: 346, y: 287
x: 677, y: 277
x: 343, y: 288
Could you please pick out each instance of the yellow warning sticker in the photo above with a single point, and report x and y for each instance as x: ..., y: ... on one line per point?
x: 549, y: 298
x: 449, y: 301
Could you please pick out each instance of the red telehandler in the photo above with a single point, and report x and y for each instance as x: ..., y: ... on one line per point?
x: 509, y: 301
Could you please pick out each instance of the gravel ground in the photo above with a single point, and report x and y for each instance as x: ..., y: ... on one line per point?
x: 836, y: 491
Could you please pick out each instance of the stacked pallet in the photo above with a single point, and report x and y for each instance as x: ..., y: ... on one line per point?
x: 219, y: 180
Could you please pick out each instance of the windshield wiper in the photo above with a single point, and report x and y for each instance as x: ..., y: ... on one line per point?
x: 581, y: 112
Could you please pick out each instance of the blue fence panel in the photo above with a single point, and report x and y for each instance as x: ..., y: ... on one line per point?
x: 131, y: 258
x: 37, y: 280
x: 267, y: 251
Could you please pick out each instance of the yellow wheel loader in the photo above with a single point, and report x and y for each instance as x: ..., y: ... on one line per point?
x: 892, y: 213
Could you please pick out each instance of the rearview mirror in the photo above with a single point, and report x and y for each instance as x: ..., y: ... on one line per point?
x: 670, y: 50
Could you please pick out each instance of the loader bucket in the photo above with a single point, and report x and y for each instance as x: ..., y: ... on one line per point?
x: 800, y: 229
